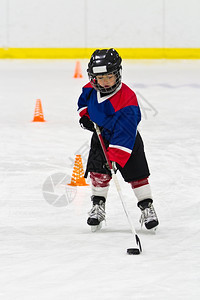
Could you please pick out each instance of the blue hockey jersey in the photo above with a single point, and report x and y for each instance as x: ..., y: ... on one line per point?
x: 118, y: 114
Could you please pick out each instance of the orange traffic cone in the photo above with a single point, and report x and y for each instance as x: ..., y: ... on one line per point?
x: 78, y: 173
x: 38, y: 114
x: 77, y: 72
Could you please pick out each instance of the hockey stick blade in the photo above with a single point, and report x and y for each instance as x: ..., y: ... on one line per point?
x: 135, y: 251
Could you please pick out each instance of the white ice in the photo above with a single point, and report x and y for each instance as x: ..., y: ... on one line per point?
x: 48, y: 252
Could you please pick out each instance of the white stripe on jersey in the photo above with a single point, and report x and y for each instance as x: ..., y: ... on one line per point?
x: 82, y: 108
x: 121, y: 148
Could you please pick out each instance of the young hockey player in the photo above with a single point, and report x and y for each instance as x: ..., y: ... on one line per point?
x: 113, y: 106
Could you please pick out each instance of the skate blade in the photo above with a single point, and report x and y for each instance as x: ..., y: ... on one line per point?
x: 153, y: 230
x: 96, y: 227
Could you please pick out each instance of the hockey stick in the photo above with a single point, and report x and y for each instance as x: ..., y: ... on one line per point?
x: 114, y: 176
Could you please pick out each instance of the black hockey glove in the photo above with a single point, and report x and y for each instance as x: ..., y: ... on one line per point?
x: 86, y: 123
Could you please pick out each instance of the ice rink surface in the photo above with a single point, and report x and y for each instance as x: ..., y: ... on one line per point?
x: 47, y: 251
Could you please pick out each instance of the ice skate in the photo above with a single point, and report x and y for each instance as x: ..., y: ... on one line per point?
x: 97, y: 213
x: 148, y: 217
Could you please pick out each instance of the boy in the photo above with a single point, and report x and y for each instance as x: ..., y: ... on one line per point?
x: 113, y: 106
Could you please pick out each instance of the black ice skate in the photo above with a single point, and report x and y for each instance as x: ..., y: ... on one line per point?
x: 97, y: 213
x: 148, y: 217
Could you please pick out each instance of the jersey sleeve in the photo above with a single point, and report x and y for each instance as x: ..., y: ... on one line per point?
x: 124, y: 134
x: 83, y: 100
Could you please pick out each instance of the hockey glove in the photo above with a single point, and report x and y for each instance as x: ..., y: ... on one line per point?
x: 86, y: 123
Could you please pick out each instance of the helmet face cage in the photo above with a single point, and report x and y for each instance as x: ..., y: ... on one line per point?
x: 105, y: 62
x: 106, y: 90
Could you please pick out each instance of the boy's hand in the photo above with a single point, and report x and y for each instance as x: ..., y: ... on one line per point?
x: 86, y: 123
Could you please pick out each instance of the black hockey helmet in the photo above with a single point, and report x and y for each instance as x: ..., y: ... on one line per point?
x: 105, y: 61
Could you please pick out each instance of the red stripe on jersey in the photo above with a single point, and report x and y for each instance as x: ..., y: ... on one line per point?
x: 88, y: 85
x: 119, y: 156
x: 84, y: 112
x: 129, y: 98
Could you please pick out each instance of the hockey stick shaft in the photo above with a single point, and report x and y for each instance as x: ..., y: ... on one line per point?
x: 114, y: 176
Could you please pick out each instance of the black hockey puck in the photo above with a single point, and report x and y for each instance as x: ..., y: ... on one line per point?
x: 133, y: 251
